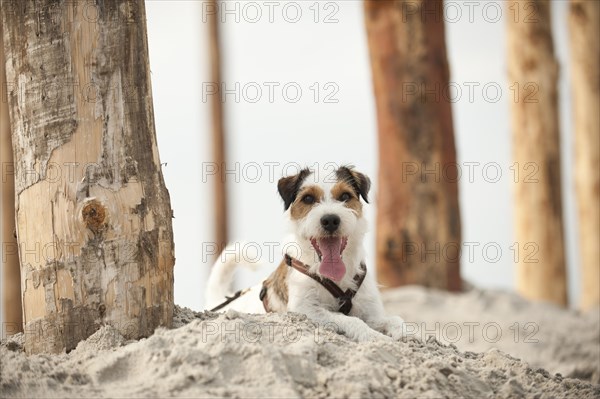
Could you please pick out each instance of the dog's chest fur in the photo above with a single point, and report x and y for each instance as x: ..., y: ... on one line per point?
x: 277, y: 288
x: 303, y: 287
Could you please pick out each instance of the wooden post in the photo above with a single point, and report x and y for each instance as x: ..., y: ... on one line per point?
x: 533, y: 72
x: 218, y: 130
x: 11, y: 279
x: 584, y: 27
x: 93, y: 214
x: 418, y: 219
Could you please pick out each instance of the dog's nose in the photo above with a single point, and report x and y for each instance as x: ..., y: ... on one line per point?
x: 330, y: 222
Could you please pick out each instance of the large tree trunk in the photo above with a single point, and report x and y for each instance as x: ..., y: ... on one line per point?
x: 533, y: 72
x: 93, y: 214
x: 418, y: 220
x: 584, y: 24
x: 11, y: 280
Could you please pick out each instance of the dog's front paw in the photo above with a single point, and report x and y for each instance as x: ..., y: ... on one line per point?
x: 395, y: 327
x: 369, y: 335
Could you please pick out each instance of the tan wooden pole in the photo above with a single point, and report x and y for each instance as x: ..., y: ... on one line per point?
x: 218, y: 129
x: 11, y: 279
x: 584, y: 28
x: 93, y: 213
x: 418, y: 219
x: 538, y: 215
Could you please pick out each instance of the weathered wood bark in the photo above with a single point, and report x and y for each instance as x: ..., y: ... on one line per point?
x: 418, y: 219
x: 11, y: 279
x: 93, y: 214
x: 584, y: 25
x: 533, y: 72
x: 218, y: 130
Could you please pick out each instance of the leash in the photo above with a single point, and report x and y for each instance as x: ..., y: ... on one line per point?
x: 344, y: 297
x: 230, y: 299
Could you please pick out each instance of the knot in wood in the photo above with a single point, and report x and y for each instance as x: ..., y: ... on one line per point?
x: 94, y: 216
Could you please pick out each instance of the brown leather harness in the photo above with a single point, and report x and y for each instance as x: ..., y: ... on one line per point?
x: 344, y: 297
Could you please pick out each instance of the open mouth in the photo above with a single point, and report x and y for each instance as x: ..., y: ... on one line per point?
x: 330, y: 251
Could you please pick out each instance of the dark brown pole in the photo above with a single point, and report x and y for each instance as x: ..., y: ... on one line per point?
x: 418, y: 219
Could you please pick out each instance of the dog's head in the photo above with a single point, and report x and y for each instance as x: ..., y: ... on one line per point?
x: 326, y: 210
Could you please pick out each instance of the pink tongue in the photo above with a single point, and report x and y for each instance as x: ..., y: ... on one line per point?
x: 332, y: 266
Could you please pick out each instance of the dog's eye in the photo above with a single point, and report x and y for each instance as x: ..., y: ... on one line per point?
x: 345, y: 197
x: 308, y: 199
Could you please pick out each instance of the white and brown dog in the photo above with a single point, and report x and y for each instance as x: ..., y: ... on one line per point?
x: 327, y: 279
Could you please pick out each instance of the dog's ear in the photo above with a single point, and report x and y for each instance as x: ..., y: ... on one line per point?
x: 360, y: 182
x: 288, y: 187
x: 363, y: 184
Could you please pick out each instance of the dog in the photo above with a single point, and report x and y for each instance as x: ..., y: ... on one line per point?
x: 326, y: 278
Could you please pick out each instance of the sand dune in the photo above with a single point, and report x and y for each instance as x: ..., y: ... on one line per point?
x: 240, y: 355
x: 558, y: 340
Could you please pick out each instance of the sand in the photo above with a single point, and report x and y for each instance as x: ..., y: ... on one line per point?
x: 285, y: 355
x: 560, y: 341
